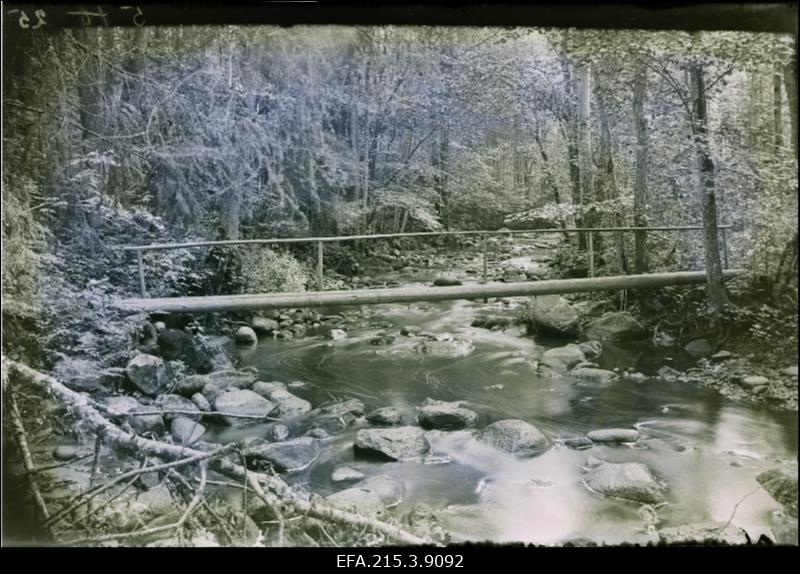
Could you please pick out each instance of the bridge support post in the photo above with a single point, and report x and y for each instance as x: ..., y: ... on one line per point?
x: 140, y: 262
x: 485, y: 256
x: 485, y: 249
x: 591, y: 254
x: 319, y: 266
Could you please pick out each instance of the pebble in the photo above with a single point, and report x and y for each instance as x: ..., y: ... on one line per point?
x: 64, y: 452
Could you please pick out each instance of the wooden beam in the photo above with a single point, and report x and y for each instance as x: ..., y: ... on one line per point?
x: 223, y: 303
x: 167, y: 246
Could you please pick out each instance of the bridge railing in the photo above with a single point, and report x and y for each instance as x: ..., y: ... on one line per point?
x: 484, y: 234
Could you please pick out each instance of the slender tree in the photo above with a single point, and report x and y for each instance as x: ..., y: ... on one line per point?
x: 641, y: 172
x: 717, y: 293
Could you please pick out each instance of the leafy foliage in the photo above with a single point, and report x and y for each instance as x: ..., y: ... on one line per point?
x: 266, y: 271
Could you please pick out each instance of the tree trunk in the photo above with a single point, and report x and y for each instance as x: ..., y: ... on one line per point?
x: 717, y: 294
x: 441, y: 153
x: 784, y: 284
x: 777, y: 109
x: 790, y: 82
x: 584, y: 91
x: 640, y: 178
x: 549, y: 180
x: 90, y: 84
x: 570, y: 124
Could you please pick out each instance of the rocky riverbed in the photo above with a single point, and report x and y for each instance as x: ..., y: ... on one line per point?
x: 542, y: 420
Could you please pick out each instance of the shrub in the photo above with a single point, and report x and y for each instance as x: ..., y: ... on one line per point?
x: 265, y: 271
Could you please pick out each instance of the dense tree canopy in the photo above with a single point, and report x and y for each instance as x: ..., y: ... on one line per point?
x: 228, y: 132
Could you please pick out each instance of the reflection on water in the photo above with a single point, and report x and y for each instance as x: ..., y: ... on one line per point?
x: 707, y: 449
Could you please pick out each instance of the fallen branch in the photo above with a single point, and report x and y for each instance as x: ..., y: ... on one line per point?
x: 195, y: 502
x: 115, y: 437
x: 27, y: 460
x: 735, y: 508
x: 113, y: 413
x: 77, y: 500
x: 60, y: 464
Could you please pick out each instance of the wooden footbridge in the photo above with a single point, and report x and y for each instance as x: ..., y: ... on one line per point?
x: 483, y: 290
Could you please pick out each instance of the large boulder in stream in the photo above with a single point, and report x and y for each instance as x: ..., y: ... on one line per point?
x: 615, y: 327
x: 399, y: 443
x: 781, y: 484
x: 570, y: 355
x: 554, y: 315
x: 242, y: 402
x: 288, y: 456
x: 289, y: 405
x: 177, y: 345
x: 148, y: 373
x: 515, y: 436
x: 445, y: 416
x: 628, y: 481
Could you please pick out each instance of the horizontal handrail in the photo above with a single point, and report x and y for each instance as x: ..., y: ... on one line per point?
x: 329, y: 239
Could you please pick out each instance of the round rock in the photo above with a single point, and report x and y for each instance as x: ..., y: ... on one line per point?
x: 515, y: 436
x: 386, y: 416
x: 613, y: 435
x: 65, y: 452
x: 245, y: 336
x: 570, y: 355
x: 629, y: 481
x: 446, y: 416
x: 148, y: 373
x: 399, y: 443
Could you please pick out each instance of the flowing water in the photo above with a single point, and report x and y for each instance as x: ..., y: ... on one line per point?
x: 706, y: 448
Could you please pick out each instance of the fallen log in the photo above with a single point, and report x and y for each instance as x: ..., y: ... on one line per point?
x: 114, y: 437
x: 219, y: 303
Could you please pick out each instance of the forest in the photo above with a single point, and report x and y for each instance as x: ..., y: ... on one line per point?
x: 119, y: 136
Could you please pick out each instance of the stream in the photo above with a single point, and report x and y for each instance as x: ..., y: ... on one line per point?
x: 706, y: 448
